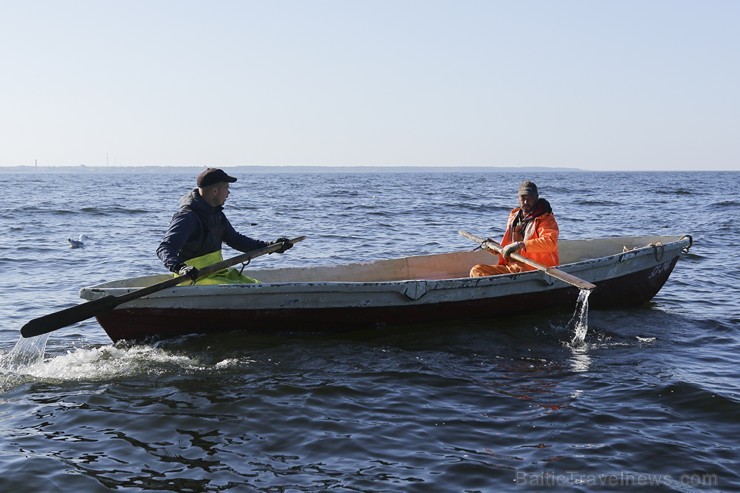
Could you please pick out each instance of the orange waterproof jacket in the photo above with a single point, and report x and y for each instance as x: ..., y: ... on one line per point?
x: 540, y: 240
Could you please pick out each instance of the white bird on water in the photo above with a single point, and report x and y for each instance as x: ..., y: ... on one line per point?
x: 77, y: 243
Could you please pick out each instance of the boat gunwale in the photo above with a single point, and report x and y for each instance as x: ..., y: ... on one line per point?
x: 523, y: 280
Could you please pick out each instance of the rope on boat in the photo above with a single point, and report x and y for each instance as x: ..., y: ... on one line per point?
x: 658, y: 250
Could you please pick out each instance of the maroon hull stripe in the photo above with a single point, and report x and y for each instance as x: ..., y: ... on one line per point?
x: 136, y: 324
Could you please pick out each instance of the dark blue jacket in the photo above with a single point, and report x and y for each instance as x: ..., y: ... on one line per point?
x: 197, y: 229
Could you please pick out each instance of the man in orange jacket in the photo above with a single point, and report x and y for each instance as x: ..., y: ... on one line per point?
x: 531, y: 230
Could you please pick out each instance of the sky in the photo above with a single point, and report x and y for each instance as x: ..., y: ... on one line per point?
x: 598, y: 85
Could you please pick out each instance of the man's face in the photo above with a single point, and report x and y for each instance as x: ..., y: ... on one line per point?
x: 527, y: 202
x: 222, y: 194
x: 216, y: 195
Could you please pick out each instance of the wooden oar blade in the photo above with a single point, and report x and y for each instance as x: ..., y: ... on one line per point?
x: 568, y: 278
x: 68, y: 316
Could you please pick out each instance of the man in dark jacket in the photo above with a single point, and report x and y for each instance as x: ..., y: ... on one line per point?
x: 199, y: 228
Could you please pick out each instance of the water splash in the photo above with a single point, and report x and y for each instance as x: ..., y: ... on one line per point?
x: 27, y: 352
x: 579, y: 322
x: 105, y: 363
x: 26, y: 362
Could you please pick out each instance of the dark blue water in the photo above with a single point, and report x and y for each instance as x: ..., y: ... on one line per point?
x: 651, y: 401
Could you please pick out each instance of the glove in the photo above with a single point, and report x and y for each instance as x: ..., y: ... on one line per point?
x: 511, y: 248
x: 188, y: 270
x: 286, y: 244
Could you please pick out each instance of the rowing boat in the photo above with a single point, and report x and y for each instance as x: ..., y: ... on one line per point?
x: 627, y: 272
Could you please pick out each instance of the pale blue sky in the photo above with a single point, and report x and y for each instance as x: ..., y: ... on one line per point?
x: 594, y: 84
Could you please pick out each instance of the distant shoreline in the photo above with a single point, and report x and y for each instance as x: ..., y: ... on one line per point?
x: 285, y: 169
x: 257, y: 169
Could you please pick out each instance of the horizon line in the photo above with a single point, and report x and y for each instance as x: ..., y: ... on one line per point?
x: 334, y: 167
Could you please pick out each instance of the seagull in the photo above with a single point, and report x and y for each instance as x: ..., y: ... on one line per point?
x: 77, y: 243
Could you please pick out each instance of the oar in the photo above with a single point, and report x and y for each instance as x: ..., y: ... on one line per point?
x: 78, y: 313
x: 550, y: 271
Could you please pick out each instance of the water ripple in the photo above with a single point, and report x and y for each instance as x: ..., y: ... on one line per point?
x: 440, y: 407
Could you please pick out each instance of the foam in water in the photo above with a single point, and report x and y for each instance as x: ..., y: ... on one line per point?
x: 580, y: 361
x: 101, y: 363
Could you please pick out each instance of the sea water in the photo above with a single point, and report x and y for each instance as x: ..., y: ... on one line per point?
x: 645, y: 398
